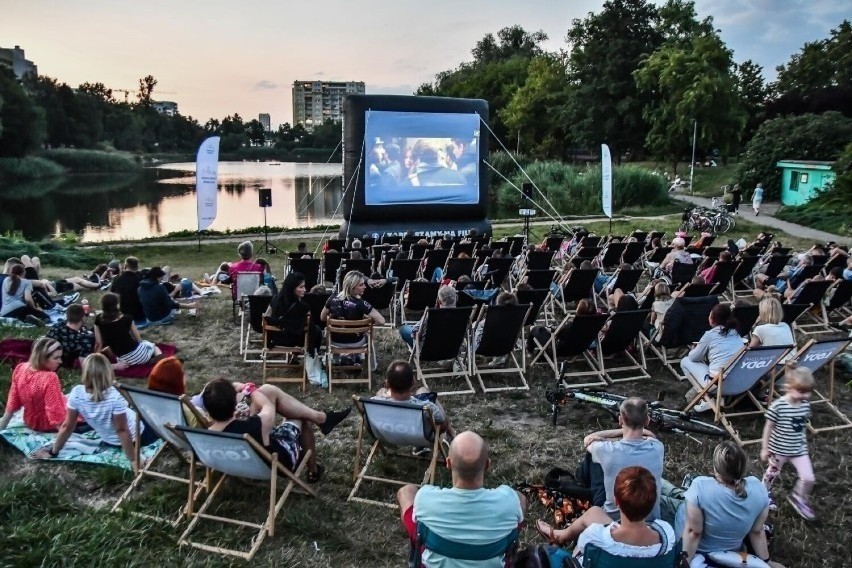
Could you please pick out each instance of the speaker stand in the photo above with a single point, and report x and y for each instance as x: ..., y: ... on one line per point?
x: 269, y: 248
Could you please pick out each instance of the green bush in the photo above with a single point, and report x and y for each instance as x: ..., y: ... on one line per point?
x: 51, y: 253
x: 93, y: 161
x: 577, y: 190
x: 29, y: 167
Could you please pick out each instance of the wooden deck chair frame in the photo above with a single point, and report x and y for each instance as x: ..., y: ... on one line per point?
x: 793, y: 313
x: 519, y: 313
x: 245, y: 284
x: 743, y: 272
x: 429, y: 343
x: 252, y: 320
x: 364, y: 348
x: 266, y: 468
x: 817, y: 323
x: 754, y: 363
x: 548, y: 351
x: 377, y: 296
x: 381, y: 444
x: 816, y: 355
x: 291, y: 354
x: 631, y: 326
x: 157, y: 418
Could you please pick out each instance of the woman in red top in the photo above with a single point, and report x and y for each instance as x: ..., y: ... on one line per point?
x: 36, y: 389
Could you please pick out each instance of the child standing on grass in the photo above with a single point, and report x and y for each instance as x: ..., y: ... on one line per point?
x: 784, y: 439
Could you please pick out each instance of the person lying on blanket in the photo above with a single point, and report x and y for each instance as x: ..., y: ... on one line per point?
x: 104, y: 410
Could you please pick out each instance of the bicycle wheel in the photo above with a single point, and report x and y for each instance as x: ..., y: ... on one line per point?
x: 724, y: 224
x: 674, y: 420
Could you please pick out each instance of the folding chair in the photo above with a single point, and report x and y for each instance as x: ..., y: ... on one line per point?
x: 625, y: 280
x: 421, y: 295
x: 691, y: 290
x: 498, y: 270
x: 457, y: 552
x: 746, y: 317
x: 515, y: 245
x: 393, y: 424
x: 654, y: 258
x: 296, y: 254
x: 539, y: 259
x: 816, y: 355
x: 839, y: 301
x: 307, y: 267
x: 685, y: 322
x: 418, y: 251
x: 316, y: 302
x: 553, y: 243
x: 447, y: 330
x: 382, y: 298
x: 236, y: 455
x: 580, y: 286
x: 814, y: 292
x: 775, y: 265
x: 245, y: 285
x: 682, y: 273
x: 584, y: 253
x: 404, y: 270
x: 622, y: 334
x: 337, y: 328
x: 435, y: 258
x: 612, y: 255
x: 739, y: 279
x: 735, y: 381
x: 457, y: 267
x: 502, y: 328
x: 158, y: 409
x: 362, y: 265
x: 590, y: 241
x: 574, y: 342
x: 835, y: 261
x: 459, y: 248
x: 633, y: 252
x: 286, y: 357
x: 255, y: 308
x: 538, y: 278
x: 336, y: 244
x: 331, y: 262
x: 595, y: 557
x: 722, y: 277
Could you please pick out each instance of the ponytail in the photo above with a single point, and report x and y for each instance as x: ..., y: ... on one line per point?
x: 723, y: 316
x: 739, y: 488
x: 730, y: 463
x: 15, y: 279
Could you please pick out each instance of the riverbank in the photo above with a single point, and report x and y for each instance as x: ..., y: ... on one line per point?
x: 60, y: 162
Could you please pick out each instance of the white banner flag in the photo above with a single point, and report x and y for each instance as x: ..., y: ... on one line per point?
x: 206, y: 175
x: 606, y: 180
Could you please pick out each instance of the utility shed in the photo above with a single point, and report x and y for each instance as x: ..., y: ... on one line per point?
x: 802, y: 179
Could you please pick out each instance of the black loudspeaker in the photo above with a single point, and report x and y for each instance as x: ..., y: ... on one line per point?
x: 264, y: 197
x: 527, y: 188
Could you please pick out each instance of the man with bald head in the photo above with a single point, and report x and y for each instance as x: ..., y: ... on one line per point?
x: 466, y: 513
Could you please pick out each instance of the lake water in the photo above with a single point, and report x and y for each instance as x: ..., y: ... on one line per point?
x: 160, y: 200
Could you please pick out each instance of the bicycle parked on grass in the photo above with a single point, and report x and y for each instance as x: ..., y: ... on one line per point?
x: 661, y: 419
x: 716, y: 220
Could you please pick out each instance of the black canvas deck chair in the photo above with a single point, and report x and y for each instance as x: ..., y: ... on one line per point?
x: 351, y: 347
x: 553, y: 243
x: 239, y: 456
x: 421, y: 295
x: 501, y: 336
x: 735, y: 383
x: 447, y: 331
x: 459, y: 248
x: 498, y: 270
x: 722, y: 276
x: 583, y: 254
x: 316, y: 302
x: 435, y: 258
x: 684, y: 324
x: 775, y: 265
x: 570, y: 341
x: 746, y: 316
x: 741, y: 279
x: 612, y: 255
x: 690, y: 290
x: 515, y: 245
x: 404, y: 270
x: 418, y: 251
x: 158, y: 409
x: 307, y: 267
x: 331, y: 262
x: 633, y: 253
x: 580, y: 286
x: 362, y: 265
x: 591, y: 241
x: 839, y: 303
x: 815, y: 292
x: 625, y: 280
x: 251, y: 327
x: 538, y: 278
x: 457, y: 267
x: 395, y: 428
x: 279, y: 358
x: 682, y: 273
x: 655, y: 257
x: 621, y: 336
x: 382, y: 298
x: 539, y: 259
x: 336, y: 244
x: 296, y: 254
x: 655, y: 235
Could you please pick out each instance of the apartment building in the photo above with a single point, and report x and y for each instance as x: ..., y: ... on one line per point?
x: 314, y: 102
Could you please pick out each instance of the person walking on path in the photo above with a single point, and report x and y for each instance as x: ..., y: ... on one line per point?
x: 736, y: 198
x: 757, y: 199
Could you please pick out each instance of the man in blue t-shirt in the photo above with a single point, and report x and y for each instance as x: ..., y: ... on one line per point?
x: 467, y: 513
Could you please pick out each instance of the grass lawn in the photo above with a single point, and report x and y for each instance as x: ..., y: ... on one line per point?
x: 54, y: 514
x: 708, y: 182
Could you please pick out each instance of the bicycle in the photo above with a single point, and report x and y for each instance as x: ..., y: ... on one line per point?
x: 661, y: 419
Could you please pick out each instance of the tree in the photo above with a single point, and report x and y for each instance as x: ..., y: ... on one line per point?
x: 803, y: 137
x: 256, y: 133
x: 604, y: 104
x: 753, y: 93
x: 327, y: 134
x: 98, y: 91
x: 146, y: 90
x: 23, y: 125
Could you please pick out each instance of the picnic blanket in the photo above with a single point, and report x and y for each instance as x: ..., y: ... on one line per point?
x: 16, y: 351
x: 82, y: 448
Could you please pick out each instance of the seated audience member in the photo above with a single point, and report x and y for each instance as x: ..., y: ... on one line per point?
x: 790, y: 277
x: 77, y: 340
x: 17, y: 296
x: 255, y: 415
x: 632, y: 536
x: 181, y: 288
x: 447, y: 298
x: 399, y: 380
x: 157, y: 305
x: 467, y: 513
x: 349, y: 305
x: 168, y: 377
x: 220, y: 277
x: 267, y: 278
x: 542, y: 333
x: 245, y: 264
x: 678, y: 254
x: 713, y: 351
x: 116, y: 331
x: 663, y: 300
x: 717, y: 513
x: 708, y: 273
x: 770, y: 329
x: 103, y: 408
x: 126, y: 285
x: 35, y: 387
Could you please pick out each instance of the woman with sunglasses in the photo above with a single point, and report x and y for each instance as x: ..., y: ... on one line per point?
x: 36, y: 388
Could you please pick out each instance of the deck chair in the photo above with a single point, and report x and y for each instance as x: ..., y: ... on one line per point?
x: 577, y: 335
x: 625, y: 280
x: 816, y: 355
x: 296, y: 254
x: 839, y: 301
x: 245, y: 285
x: 286, y: 357
x: 591, y: 241
x: 404, y: 270
x: 553, y: 243
x: 331, y: 262
x: 235, y: 455
x: 735, y: 381
x: 252, y: 321
x: 538, y: 278
x: 595, y: 557
x: 316, y: 302
x: 363, y: 348
x: 633, y: 252
x: 539, y: 259
x: 740, y: 285
x: 502, y: 330
x: 498, y: 270
x: 158, y: 409
x: 515, y: 245
x: 421, y: 295
x: 623, y: 332
x: 447, y: 330
x: 466, y: 248
x: 580, y: 285
x: 814, y: 292
x: 775, y: 265
x: 655, y: 235
x: 682, y: 273
x: 382, y: 298
x: 435, y: 258
x: 584, y: 253
x: 684, y: 323
x: 612, y: 254
x: 746, y: 317
x: 473, y: 295
x: 336, y: 244
x: 691, y: 290
x: 362, y: 265
x: 426, y: 539
x: 456, y: 267
x: 418, y: 251
x: 722, y: 277
x: 392, y: 425
x: 654, y: 258
x: 307, y: 267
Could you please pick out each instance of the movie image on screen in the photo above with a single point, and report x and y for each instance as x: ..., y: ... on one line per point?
x: 421, y: 158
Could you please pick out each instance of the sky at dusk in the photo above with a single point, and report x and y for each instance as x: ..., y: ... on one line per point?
x: 216, y: 57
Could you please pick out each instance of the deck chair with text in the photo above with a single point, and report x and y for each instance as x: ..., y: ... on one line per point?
x: 502, y: 330
x: 571, y: 341
x: 278, y: 358
x: 733, y: 386
x: 685, y: 322
x: 251, y: 344
x: 158, y: 409
x: 240, y: 456
x: 622, y: 337
x: 444, y: 338
x: 395, y: 428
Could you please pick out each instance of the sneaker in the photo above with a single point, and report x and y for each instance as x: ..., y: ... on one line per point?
x: 801, y: 505
x: 498, y: 361
x: 421, y: 451
x: 38, y: 322
x: 71, y: 298
x: 702, y: 406
x: 457, y: 368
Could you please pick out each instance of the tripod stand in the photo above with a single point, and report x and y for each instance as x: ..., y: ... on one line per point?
x: 269, y: 248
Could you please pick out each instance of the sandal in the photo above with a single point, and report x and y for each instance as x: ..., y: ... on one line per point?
x: 314, y: 476
x: 548, y: 533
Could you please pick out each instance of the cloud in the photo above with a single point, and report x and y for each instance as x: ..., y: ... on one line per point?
x: 265, y: 85
x: 319, y: 74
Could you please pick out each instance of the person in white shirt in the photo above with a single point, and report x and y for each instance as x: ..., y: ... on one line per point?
x: 770, y: 330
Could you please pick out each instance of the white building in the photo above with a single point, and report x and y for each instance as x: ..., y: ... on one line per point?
x: 265, y: 121
x: 314, y: 102
x: 14, y: 58
x: 165, y: 107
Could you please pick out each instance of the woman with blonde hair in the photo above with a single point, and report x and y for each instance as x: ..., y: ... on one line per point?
x: 770, y: 330
x: 36, y: 388
x: 349, y: 305
x: 103, y: 408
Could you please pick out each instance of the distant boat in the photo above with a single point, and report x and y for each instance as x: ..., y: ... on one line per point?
x: 274, y: 163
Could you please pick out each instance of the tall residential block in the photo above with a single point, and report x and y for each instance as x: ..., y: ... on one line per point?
x: 14, y: 58
x: 265, y: 121
x: 314, y: 102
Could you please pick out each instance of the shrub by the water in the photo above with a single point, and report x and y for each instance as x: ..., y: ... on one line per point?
x: 92, y: 161
x: 29, y: 167
x: 50, y: 253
